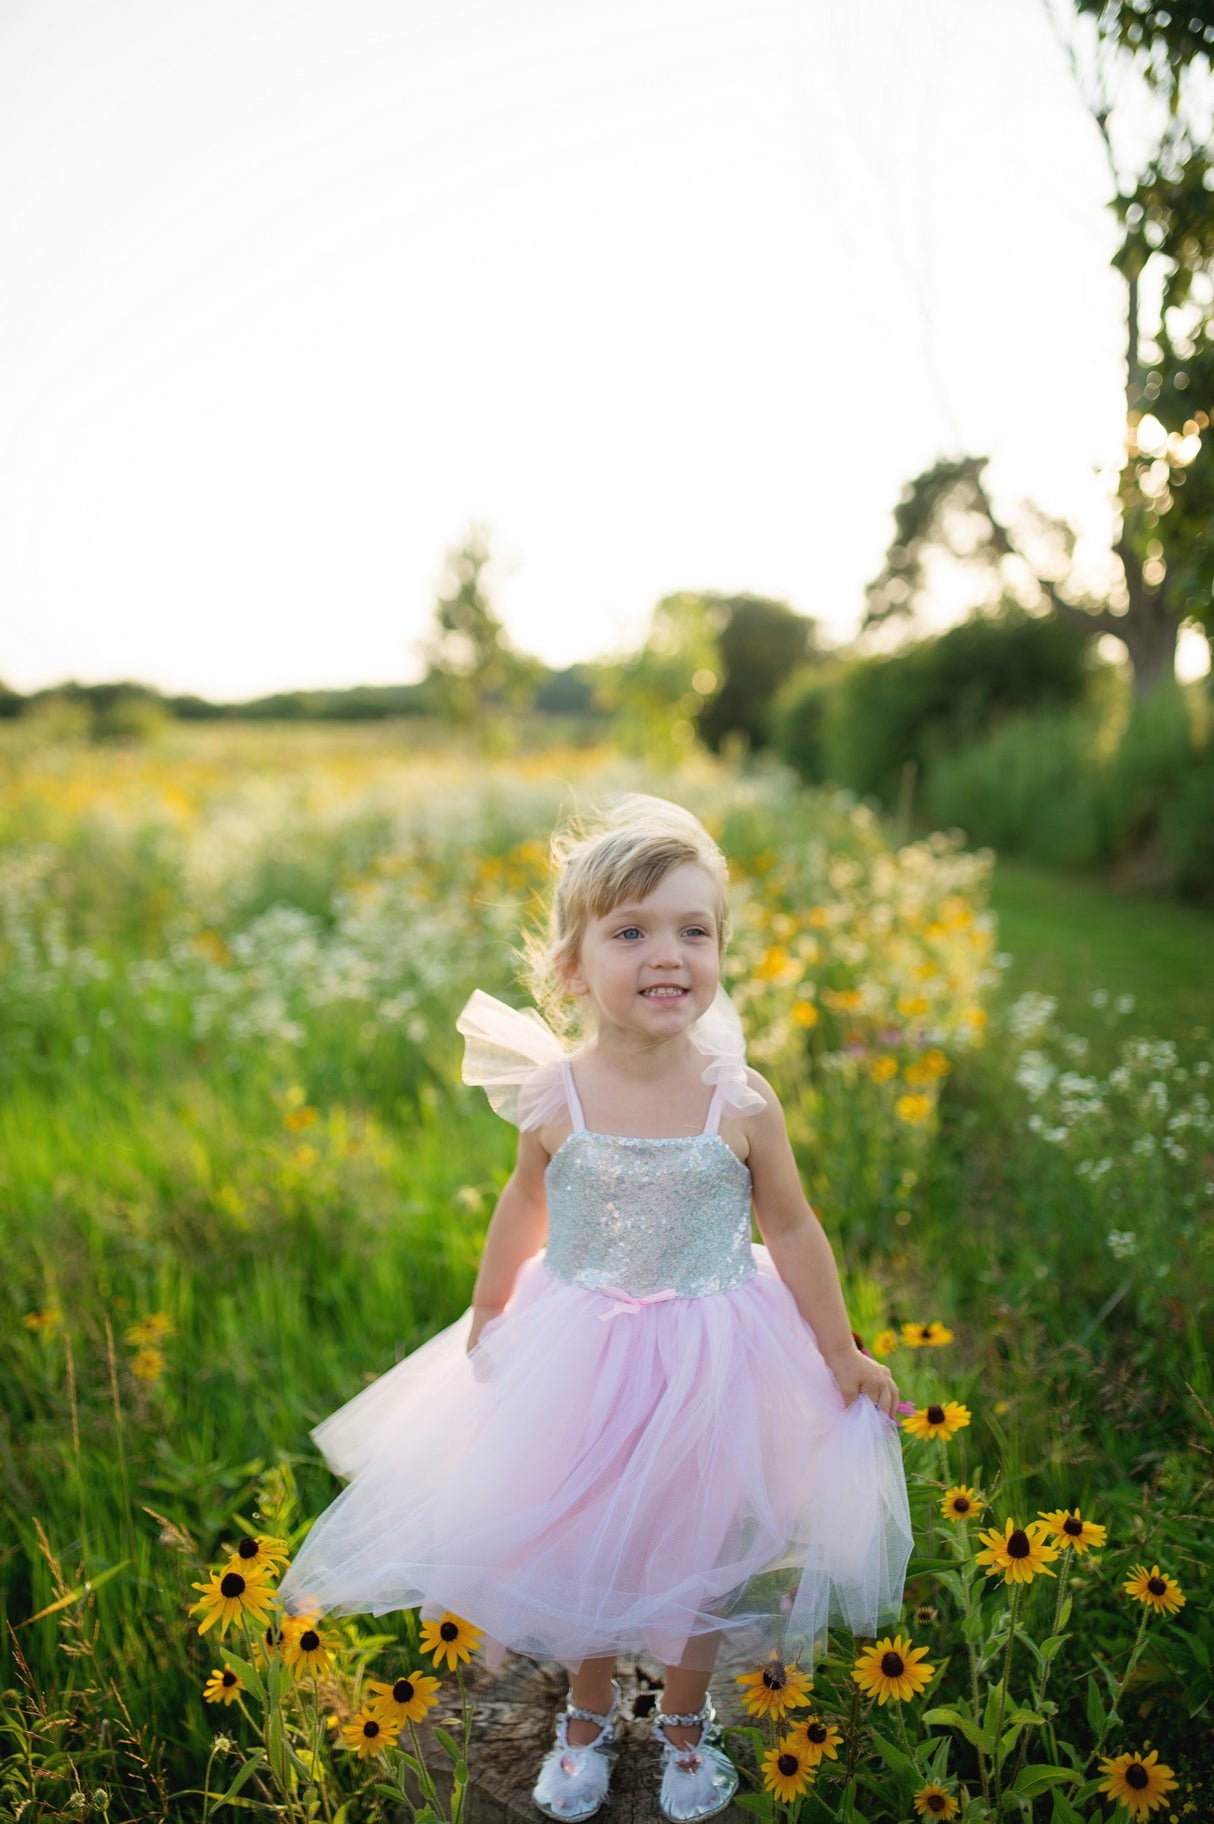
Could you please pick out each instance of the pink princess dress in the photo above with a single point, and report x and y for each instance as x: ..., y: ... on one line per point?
x: 645, y: 1450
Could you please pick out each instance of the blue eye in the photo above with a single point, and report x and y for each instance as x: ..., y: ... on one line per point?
x: 629, y: 931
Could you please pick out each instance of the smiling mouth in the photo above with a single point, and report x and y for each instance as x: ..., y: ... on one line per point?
x: 665, y: 993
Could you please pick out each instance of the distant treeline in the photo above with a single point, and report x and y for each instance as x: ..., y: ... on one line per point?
x: 125, y: 707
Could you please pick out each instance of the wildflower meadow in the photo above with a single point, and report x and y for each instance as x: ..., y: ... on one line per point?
x: 241, y: 1178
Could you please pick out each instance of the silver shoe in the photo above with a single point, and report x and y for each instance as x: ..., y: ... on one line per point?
x: 697, y: 1782
x: 573, y: 1781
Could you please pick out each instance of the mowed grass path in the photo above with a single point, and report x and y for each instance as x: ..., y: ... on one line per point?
x: 1070, y: 936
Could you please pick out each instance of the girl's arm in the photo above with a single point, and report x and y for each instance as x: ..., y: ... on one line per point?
x: 517, y: 1230
x: 803, y: 1256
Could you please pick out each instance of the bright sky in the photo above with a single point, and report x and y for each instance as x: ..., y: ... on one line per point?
x: 670, y: 293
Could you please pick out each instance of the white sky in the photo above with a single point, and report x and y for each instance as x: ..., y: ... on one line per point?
x: 671, y: 293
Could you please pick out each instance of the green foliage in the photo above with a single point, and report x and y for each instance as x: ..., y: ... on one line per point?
x: 1055, y: 787
x: 473, y: 670
x: 931, y: 697
x: 759, y: 643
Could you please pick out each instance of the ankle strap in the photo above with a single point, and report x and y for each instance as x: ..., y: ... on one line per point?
x: 704, y: 1715
x: 602, y: 1718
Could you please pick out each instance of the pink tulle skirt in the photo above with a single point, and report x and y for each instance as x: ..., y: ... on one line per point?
x: 596, y: 1478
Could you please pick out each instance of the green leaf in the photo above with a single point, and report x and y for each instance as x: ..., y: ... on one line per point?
x: 1031, y: 1781
x: 894, y: 1757
x: 276, y: 1749
x: 449, y: 1744
x: 952, y: 1718
x: 762, y: 1805
x: 1051, y: 1646
x: 1096, y: 1710
x: 246, y: 1773
x: 1064, y: 1812
x: 246, y: 1672
x: 1064, y: 1614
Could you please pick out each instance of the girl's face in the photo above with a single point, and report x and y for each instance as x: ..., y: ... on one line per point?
x: 650, y: 967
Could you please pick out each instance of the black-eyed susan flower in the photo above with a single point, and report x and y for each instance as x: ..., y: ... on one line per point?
x: 304, y: 1647
x: 366, y: 1735
x: 961, y: 1503
x: 148, y: 1365
x: 1140, y: 1782
x: 406, y: 1700
x: 149, y: 1330
x: 260, y: 1553
x: 819, y: 1739
x: 884, y: 1343
x: 229, y: 1595
x: 940, y: 1420
x: 1155, y: 1588
x: 49, y: 1319
x: 787, y: 1769
x: 913, y: 1108
x: 931, y: 1801
x: 892, y: 1668
x: 1068, y: 1527
x: 451, y: 1639
x: 926, y: 1336
x: 222, y: 1686
x: 775, y: 1688
x: 1020, y: 1552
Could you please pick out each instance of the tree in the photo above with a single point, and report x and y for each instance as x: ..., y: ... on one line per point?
x: 760, y: 643
x: 472, y: 668
x: 1164, y: 507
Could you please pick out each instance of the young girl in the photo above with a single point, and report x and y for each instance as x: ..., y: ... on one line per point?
x: 647, y: 1433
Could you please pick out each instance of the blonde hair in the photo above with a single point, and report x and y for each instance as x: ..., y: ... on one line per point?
x: 623, y: 852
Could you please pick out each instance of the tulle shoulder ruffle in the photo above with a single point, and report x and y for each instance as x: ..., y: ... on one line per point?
x: 516, y: 1058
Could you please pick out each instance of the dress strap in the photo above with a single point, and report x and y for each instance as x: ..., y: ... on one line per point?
x: 712, y: 1120
x: 571, y: 1096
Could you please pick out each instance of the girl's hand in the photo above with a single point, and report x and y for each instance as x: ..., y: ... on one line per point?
x: 481, y: 1315
x: 860, y: 1374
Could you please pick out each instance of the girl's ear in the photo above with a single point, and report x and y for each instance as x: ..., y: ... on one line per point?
x: 569, y: 975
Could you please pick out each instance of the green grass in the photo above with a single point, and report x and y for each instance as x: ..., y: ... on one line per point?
x: 1071, y: 936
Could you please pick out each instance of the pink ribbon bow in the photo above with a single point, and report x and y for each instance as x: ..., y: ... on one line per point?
x: 628, y: 1305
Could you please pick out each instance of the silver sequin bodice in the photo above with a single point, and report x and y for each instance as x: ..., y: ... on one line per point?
x: 646, y: 1216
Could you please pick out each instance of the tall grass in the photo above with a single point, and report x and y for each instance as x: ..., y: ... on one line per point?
x: 1069, y: 788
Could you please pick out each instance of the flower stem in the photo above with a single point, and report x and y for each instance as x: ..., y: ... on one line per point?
x: 1123, y: 1681
x: 1003, y: 1685
x: 1039, y: 1691
x: 972, y: 1652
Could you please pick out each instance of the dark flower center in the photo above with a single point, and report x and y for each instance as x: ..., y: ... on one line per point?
x: 935, y: 1801
x: 925, y: 1331
x: 370, y: 1728
x: 402, y: 1691
x: 309, y: 1641
x: 1137, y: 1776
x: 774, y: 1678
x: 788, y: 1765
x: 229, y: 1677
x: 892, y: 1665
x: 449, y: 1631
x: 1073, y: 1526
x: 961, y: 1504
x: 815, y: 1732
x: 1019, y: 1545
x: 935, y: 1415
x: 247, y: 1548
x: 1157, y: 1586
x: 231, y: 1584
